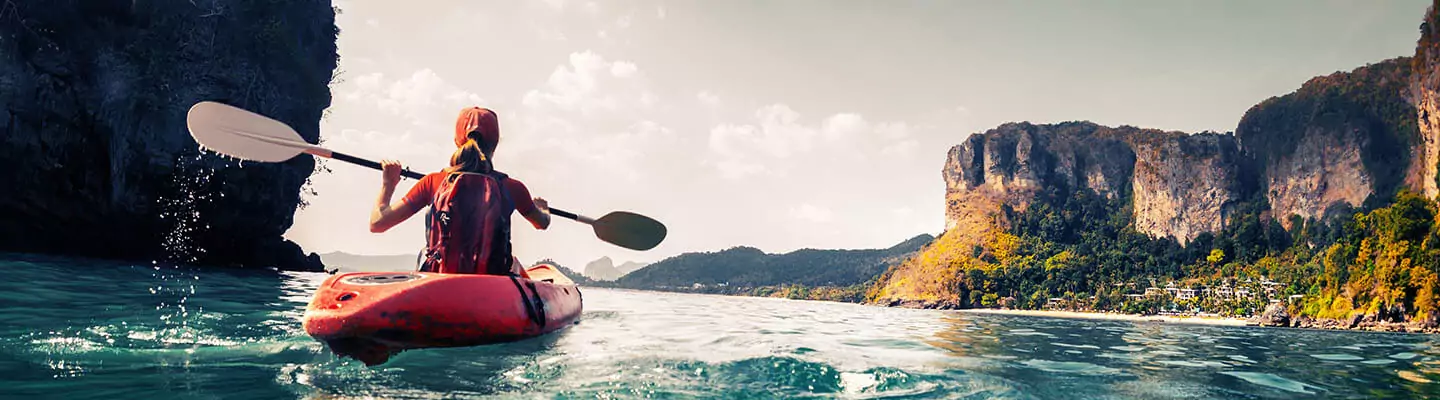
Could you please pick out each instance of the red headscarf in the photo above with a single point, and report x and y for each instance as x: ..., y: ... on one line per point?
x: 473, y: 118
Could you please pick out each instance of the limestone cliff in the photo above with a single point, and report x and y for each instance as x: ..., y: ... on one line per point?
x: 1425, y: 95
x: 1336, y: 141
x: 93, y: 95
x: 1185, y: 185
x: 1182, y: 185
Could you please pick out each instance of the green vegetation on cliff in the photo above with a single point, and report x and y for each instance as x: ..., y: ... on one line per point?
x: 1384, y: 263
x: 1076, y: 244
x: 1082, y: 249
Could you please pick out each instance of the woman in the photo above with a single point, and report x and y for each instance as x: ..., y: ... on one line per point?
x: 468, y: 227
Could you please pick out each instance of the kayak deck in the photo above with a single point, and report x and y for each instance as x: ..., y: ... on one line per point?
x: 370, y: 316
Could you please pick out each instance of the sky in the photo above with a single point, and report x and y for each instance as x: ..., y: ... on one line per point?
x: 785, y: 124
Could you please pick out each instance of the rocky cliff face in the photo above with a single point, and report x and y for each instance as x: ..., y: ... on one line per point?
x: 1183, y: 185
x: 1425, y: 95
x: 98, y: 161
x: 1336, y: 141
x: 1328, y: 146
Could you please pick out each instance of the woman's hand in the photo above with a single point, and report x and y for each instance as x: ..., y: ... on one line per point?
x: 543, y: 205
x: 390, y: 172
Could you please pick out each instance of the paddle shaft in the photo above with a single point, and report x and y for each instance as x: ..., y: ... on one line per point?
x: 416, y: 175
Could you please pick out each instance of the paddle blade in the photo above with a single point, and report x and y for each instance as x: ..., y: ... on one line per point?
x: 630, y: 230
x: 242, y: 134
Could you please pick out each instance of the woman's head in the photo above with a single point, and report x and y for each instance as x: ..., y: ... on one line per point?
x: 480, y: 125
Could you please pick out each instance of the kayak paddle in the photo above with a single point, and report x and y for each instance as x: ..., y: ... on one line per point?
x: 246, y: 135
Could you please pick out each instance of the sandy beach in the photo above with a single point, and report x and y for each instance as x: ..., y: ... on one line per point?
x: 1222, y: 321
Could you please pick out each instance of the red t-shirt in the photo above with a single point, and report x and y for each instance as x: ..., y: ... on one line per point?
x: 423, y: 192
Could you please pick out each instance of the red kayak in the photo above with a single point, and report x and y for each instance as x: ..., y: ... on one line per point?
x: 370, y: 316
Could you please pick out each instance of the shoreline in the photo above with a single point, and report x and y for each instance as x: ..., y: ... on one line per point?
x: 1302, y: 323
x: 1169, y: 319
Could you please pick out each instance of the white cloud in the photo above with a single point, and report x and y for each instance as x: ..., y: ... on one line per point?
x: 778, y: 140
x: 660, y: 12
x: 569, y: 84
x: 812, y: 213
x: 905, y: 148
x: 623, y: 22
x: 896, y: 140
x: 726, y: 139
x: 731, y: 169
x: 623, y: 69
x: 596, y: 113
x: 422, y: 98
x: 707, y: 98
x: 555, y: 4
x: 592, y: 7
x: 783, y: 134
x: 845, y: 125
x: 590, y: 85
x: 778, y: 134
x: 372, y: 22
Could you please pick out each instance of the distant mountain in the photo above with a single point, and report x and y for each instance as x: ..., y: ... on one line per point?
x: 347, y: 262
x: 630, y: 266
x: 602, y: 269
x: 750, y: 267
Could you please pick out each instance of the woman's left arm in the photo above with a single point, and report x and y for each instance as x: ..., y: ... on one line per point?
x: 384, y: 216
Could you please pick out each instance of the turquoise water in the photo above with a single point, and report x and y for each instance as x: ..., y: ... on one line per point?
x: 86, y: 329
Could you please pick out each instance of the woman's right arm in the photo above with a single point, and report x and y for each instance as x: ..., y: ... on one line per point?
x: 384, y: 216
x: 534, y: 209
x: 540, y: 216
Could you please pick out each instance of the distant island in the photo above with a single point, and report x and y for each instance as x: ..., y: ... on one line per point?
x: 811, y: 274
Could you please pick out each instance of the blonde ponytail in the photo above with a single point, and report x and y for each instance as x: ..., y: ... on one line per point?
x: 469, y: 158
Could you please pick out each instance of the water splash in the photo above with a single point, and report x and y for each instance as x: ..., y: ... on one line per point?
x: 181, y: 208
x: 192, y: 189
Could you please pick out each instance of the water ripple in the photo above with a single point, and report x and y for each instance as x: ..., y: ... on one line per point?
x: 182, y: 333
